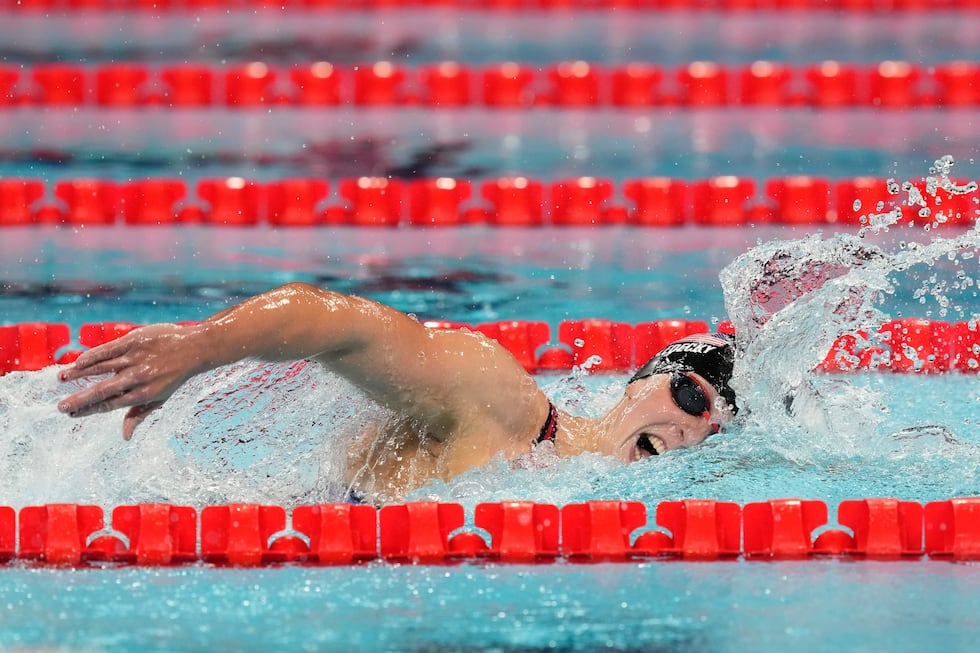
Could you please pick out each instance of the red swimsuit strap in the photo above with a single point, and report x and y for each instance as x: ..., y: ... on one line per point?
x: 550, y: 426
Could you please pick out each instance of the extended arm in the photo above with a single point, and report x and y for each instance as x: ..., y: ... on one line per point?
x: 394, y: 359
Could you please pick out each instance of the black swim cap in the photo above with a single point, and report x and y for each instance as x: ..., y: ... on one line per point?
x: 710, y: 355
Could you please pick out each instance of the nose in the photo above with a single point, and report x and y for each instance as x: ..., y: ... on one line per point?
x: 676, y: 436
x: 699, y: 432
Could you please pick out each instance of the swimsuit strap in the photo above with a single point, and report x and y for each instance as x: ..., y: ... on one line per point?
x: 550, y: 426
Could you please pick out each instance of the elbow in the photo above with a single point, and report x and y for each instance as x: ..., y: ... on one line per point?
x: 297, y: 295
x: 304, y: 306
x: 297, y: 288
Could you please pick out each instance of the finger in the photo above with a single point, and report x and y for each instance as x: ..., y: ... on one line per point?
x: 104, y: 352
x: 106, y: 406
x: 106, y: 367
x: 135, y: 416
x: 109, y: 391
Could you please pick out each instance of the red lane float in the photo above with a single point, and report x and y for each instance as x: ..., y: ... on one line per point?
x: 154, y: 201
x: 296, y: 202
x: 249, y: 535
x: 158, y: 534
x: 799, y: 199
x: 597, y: 345
x: 18, y: 197
x: 890, y: 85
x: 524, y: 339
x: 907, y: 345
x: 241, y: 534
x: 882, y: 529
x: 516, y: 201
x: 32, y: 346
x: 419, y: 532
x: 965, y: 344
x: 504, y: 201
x: 437, y: 201
x: 520, y: 531
x: 722, y: 201
x: 781, y: 528
x: 702, y: 529
x: 878, y: 529
x: 657, y: 201
x: 583, y: 201
x: 338, y: 533
x: 57, y: 534
x: 952, y: 529
x: 370, y: 202
x: 600, y: 531
x: 8, y: 533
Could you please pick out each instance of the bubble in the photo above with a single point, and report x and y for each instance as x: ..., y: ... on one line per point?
x: 592, y: 361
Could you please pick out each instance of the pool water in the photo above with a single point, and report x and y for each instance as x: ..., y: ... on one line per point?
x: 471, y: 274
x: 725, y: 607
x: 476, y: 274
x: 479, y: 144
x: 913, y: 437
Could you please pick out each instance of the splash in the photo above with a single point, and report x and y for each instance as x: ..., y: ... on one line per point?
x: 807, y: 433
x: 789, y: 301
x: 267, y: 433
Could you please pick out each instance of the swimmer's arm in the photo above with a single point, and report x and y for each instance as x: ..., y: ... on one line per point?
x: 440, y: 377
x: 388, y: 354
x: 292, y: 322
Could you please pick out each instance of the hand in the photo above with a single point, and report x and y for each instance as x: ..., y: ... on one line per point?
x: 147, y: 366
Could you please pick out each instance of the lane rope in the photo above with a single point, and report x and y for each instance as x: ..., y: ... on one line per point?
x: 904, y: 345
x: 725, y: 200
x: 509, y: 85
x: 250, y: 535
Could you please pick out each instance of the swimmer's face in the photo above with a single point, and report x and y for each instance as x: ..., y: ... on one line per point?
x: 648, y: 421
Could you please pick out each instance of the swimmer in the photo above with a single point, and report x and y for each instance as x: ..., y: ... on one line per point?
x: 460, y: 398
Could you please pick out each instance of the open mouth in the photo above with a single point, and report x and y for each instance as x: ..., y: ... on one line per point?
x: 651, y: 444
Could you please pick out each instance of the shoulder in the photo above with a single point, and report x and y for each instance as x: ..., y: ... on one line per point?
x: 489, y: 385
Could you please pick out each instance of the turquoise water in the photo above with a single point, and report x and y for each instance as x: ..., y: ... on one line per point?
x: 668, y: 608
x: 479, y: 144
x: 472, y: 275
x: 910, y: 437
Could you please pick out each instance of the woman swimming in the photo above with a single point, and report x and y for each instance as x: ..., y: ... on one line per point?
x: 460, y: 398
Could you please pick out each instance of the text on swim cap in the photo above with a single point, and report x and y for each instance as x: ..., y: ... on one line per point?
x: 688, y: 347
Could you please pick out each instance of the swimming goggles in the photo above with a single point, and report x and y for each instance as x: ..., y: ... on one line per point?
x: 689, y: 395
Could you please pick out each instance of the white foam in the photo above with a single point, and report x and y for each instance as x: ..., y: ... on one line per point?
x: 249, y: 432
x: 790, y: 300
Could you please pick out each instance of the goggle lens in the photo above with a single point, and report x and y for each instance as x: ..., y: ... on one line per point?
x: 689, y: 395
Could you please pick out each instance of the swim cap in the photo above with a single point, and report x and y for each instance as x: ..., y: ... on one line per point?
x: 710, y: 355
